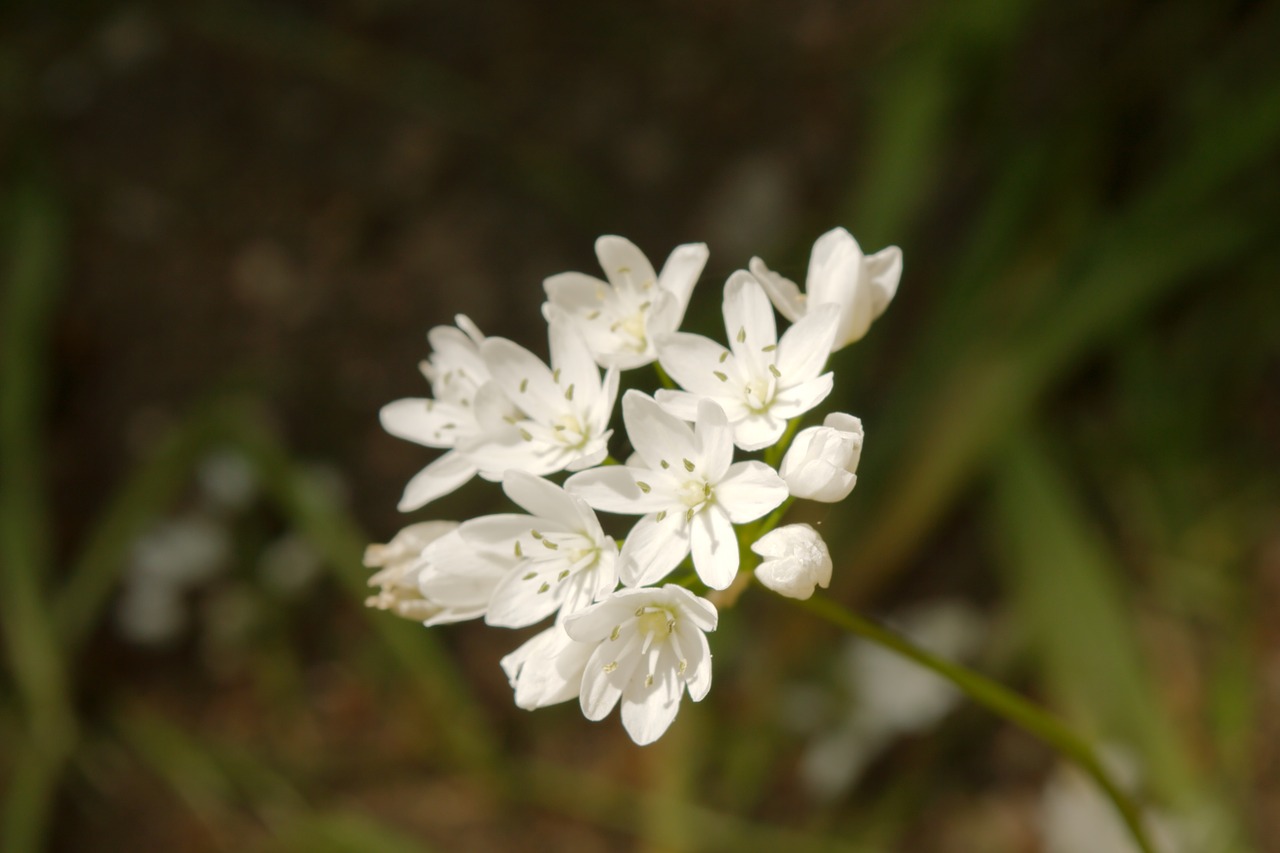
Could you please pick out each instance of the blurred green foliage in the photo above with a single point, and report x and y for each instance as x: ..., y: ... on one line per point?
x: 1073, y: 419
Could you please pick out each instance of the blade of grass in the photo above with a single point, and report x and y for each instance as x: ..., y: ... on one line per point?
x: 1066, y: 587
x: 431, y: 673
x: 996, y: 698
x: 1169, y: 234
x: 34, y: 244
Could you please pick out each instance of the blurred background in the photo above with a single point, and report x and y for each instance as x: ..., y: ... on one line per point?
x: 225, y: 228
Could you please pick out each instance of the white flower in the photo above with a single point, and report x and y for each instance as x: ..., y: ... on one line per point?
x: 564, y: 560
x: 458, y: 579
x: 682, y: 481
x: 620, y: 320
x: 398, y: 563
x: 760, y: 382
x: 821, y: 463
x: 795, y: 560
x: 649, y: 645
x: 861, y: 285
x: 566, y: 407
x: 468, y: 410
x: 547, y: 669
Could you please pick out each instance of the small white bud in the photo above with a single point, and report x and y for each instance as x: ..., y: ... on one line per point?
x: 820, y: 465
x: 795, y: 561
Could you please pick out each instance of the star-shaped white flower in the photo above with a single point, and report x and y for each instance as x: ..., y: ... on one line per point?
x: 564, y: 560
x: 621, y: 319
x: 862, y: 285
x: 760, y: 382
x: 468, y: 410
x: 650, y: 646
x: 565, y: 408
x: 682, y: 482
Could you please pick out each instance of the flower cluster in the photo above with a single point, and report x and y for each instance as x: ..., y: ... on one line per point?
x: 502, y: 414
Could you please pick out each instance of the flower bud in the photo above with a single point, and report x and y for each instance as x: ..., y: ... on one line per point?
x: 795, y: 560
x: 398, y: 563
x: 821, y: 461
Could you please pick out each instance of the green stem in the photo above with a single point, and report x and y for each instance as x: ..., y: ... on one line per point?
x: 664, y: 378
x: 773, y: 456
x: 996, y: 698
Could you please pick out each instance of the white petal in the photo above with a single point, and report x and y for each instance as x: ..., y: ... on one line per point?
x: 574, y: 292
x: 525, y: 379
x: 496, y: 532
x: 713, y: 440
x: 516, y: 600
x: 697, y: 675
x: 749, y: 322
x: 624, y: 264
x: 602, y: 685
x: 598, y: 621
x: 547, y: 669
x: 834, y: 269
x: 662, y: 318
x: 652, y: 549
x: 542, y: 498
x: 655, y: 435
x: 571, y: 357
x: 885, y: 269
x: 714, y: 547
x: 649, y: 710
x: 601, y: 410
x: 698, y: 610
x: 783, y: 292
x: 433, y: 423
x: 758, y: 430
x: 457, y: 348
x: 680, y: 404
x: 439, y: 478
x: 467, y: 325
x: 803, y: 397
x: 613, y: 488
x: 693, y: 361
x: 750, y: 490
x: 804, y: 347
x: 681, y: 271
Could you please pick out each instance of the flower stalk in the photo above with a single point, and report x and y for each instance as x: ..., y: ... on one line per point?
x: 996, y: 698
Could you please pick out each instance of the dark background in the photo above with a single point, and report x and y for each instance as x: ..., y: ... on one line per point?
x: 227, y: 227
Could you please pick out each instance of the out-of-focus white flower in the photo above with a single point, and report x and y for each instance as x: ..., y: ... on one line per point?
x: 889, y: 696
x: 166, y: 561
x: 649, y: 646
x: 468, y: 410
x: 759, y: 381
x: 547, y: 669
x: 821, y: 463
x: 862, y: 285
x: 1076, y: 817
x: 795, y: 560
x: 458, y: 579
x: 682, y: 481
x: 564, y: 560
x: 621, y: 319
x: 565, y: 408
x: 398, y: 563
